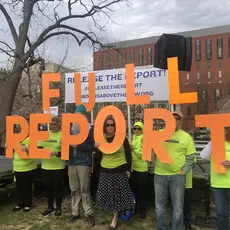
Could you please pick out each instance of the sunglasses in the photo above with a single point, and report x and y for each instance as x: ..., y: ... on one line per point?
x: 109, y: 125
x: 137, y: 129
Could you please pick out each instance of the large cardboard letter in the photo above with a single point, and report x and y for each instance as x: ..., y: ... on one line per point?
x: 13, y: 140
x: 216, y: 123
x: 67, y: 138
x: 175, y: 97
x: 91, y: 89
x: 153, y: 139
x: 36, y: 135
x: 131, y: 98
x: 48, y: 93
x: 119, y: 138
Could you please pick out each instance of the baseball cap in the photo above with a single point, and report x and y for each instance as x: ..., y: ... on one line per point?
x: 179, y: 113
x: 81, y: 109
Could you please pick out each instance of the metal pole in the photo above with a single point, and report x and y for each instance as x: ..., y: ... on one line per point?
x: 92, y: 120
x: 129, y: 122
x: 172, y: 108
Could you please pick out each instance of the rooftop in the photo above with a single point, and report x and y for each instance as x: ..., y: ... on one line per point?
x: 153, y: 39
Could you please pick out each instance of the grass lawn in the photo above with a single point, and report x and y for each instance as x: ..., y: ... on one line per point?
x: 34, y: 220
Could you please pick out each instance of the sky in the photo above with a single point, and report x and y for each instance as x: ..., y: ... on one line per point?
x: 138, y: 19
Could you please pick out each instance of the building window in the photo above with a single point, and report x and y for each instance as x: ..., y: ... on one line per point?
x: 198, y: 65
x: 141, y: 56
x: 219, y: 48
x: 189, y: 111
x: 209, y: 49
x: 150, y: 56
x: 198, y: 76
x: 220, y: 74
x: 108, y: 61
x: 198, y: 50
x: 123, y: 58
x: 187, y: 76
x: 209, y: 65
x: 132, y: 56
x: 204, y: 94
x: 204, y: 97
x: 229, y: 46
x: 101, y: 61
x: 209, y: 74
x: 217, y: 94
x: 220, y: 64
x: 116, y: 59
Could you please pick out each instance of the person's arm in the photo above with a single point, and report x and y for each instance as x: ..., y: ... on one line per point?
x: 190, y: 155
x: 128, y: 154
x: 206, y: 152
x: 97, y: 157
x: 138, y: 150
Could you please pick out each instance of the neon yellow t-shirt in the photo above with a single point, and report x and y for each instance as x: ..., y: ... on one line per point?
x: 221, y: 180
x: 23, y: 165
x: 138, y: 164
x: 54, y: 163
x: 178, y: 147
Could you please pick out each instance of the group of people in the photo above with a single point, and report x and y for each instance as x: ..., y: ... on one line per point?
x: 122, y: 183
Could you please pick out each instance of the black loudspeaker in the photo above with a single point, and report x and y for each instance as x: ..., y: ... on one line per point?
x: 170, y: 45
x: 188, y: 54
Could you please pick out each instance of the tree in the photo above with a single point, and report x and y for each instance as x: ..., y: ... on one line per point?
x: 24, y: 46
x: 222, y: 105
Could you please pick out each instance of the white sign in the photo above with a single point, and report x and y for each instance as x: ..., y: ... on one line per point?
x: 111, y: 85
x: 53, y: 111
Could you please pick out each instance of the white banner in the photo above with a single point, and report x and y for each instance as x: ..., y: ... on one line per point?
x: 53, y: 111
x: 111, y: 85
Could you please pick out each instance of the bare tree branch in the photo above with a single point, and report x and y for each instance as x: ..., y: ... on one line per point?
x: 60, y: 33
x: 10, y: 23
x: 70, y: 3
x: 23, y: 29
x: 63, y: 60
x: 92, y: 11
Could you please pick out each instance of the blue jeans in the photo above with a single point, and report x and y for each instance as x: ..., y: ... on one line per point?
x: 222, y: 198
x: 175, y: 185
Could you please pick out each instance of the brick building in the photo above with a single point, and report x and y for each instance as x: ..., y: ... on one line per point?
x: 209, y: 75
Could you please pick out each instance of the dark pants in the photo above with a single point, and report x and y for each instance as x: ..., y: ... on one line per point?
x: 139, y: 188
x: 24, y: 188
x: 221, y: 197
x: 53, y: 181
x: 188, y: 208
x: 94, y: 181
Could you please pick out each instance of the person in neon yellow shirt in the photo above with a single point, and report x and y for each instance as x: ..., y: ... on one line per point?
x: 139, y: 175
x: 53, y: 169
x: 220, y: 183
x: 24, y: 170
x: 171, y: 178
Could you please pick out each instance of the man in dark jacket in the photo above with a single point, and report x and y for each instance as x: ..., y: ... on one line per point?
x: 80, y: 168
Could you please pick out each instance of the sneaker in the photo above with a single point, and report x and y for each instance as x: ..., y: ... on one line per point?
x: 73, y: 218
x: 26, y: 209
x: 48, y: 212
x: 58, y: 212
x: 91, y: 220
x: 17, y: 208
